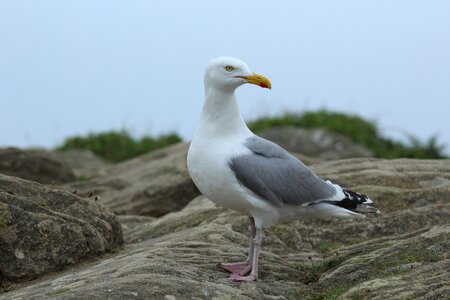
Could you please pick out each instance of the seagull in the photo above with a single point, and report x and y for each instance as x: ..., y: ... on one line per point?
x: 236, y: 169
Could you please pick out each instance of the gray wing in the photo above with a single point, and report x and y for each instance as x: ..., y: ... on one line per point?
x: 278, y: 177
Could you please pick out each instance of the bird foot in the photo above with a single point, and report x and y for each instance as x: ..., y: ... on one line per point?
x: 248, y: 278
x: 240, y: 268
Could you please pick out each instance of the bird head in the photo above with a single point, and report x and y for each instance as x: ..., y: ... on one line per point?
x: 228, y: 73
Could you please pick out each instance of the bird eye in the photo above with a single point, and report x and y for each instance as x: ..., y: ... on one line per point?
x: 229, y: 68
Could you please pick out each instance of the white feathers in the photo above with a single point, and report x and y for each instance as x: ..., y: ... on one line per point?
x: 222, y: 134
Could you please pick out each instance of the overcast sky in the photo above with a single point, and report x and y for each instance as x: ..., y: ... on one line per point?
x: 71, y: 67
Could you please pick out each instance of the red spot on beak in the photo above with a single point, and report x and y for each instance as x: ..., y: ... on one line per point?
x: 262, y: 84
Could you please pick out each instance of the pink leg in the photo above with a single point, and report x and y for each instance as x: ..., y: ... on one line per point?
x: 255, y: 258
x: 242, y: 268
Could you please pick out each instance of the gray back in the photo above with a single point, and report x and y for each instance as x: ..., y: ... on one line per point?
x: 278, y: 177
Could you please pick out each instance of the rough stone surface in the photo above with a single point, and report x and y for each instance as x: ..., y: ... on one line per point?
x: 177, y: 254
x: 36, y: 165
x: 412, y: 266
x: 400, y: 254
x: 316, y: 143
x: 152, y: 184
x: 42, y: 229
x: 394, y: 184
x: 84, y: 163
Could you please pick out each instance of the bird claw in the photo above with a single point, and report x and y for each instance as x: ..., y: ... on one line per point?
x: 236, y: 268
x: 248, y: 278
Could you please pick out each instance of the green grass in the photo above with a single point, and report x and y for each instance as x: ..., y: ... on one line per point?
x: 310, y: 272
x: 113, y: 248
x: 364, y: 132
x: 82, y: 178
x: 57, y: 292
x: 389, y: 265
x: 116, y: 146
x: 3, y: 222
x: 329, y: 293
x: 384, y: 266
x: 327, y: 247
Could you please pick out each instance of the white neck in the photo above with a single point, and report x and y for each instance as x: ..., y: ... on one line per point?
x: 221, y: 115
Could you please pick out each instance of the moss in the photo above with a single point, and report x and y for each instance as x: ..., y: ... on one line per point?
x: 113, y: 248
x: 331, y: 292
x: 390, y: 265
x: 327, y: 247
x: 384, y: 265
x: 359, y: 295
x: 311, y: 272
x: 3, y: 223
x: 57, y: 292
x: 82, y: 178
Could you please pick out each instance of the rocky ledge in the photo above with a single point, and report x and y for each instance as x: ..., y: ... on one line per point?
x: 43, y: 229
x: 401, y: 254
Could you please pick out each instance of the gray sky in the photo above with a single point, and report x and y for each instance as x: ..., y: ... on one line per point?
x: 70, y: 67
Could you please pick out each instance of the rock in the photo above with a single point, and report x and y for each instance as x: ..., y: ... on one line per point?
x: 404, y: 250
x: 152, y: 184
x: 36, y: 165
x: 393, y: 184
x: 198, y: 211
x: 307, y: 160
x: 84, y: 163
x: 315, y: 143
x: 176, y: 255
x: 414, y: 266
x: 178, y: 260
x: 42, y: 229
x: 131, y: 222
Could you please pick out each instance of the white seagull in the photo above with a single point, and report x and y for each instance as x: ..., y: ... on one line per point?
x: 241, y: 171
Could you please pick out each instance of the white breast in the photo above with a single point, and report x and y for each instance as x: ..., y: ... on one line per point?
x: 208, y: 166
x: 209, y: 169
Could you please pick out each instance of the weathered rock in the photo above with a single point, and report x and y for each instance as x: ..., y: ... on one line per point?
x: 42, y: 229
x: 36, y: 165
x: 176, y: 255
x: 178, y: 260
x: 84, y: 163
x: 393, y: 184
x: 316, y: 143
x: 307, y: 160
x: 152, y: 184
x: 131, y: 222
x: 414, y: 266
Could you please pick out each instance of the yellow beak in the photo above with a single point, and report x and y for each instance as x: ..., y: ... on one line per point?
x: 258, y: 80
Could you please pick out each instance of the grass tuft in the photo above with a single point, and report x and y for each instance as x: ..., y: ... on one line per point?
x: 116, y: 146
x: 393, y: 263
x: 364, y: 132
x: 57, y: 292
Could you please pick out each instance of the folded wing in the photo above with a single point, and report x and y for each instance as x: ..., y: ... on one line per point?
x: 276, y: 176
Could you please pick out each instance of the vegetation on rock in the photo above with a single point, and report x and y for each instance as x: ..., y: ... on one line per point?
x: 43, y: 229
x: 117, y: 146
x: 364, y: 132
x: 394, y: 259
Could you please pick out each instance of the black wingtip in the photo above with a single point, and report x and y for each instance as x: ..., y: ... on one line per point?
x: 357, y: 202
